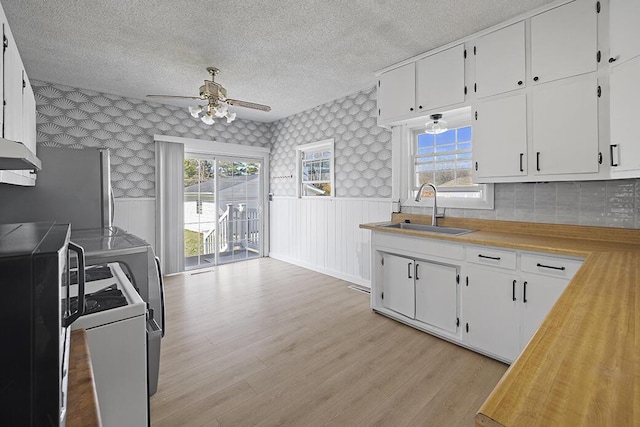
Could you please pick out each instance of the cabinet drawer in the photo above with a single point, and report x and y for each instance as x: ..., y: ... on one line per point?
x: 550, y: 265
x: 491, y: 257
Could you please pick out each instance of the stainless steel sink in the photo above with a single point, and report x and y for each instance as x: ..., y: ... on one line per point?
x: 429, y: 228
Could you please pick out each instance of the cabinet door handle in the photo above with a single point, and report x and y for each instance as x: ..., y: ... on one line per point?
x: 538, y: 161
x: 417, y: 265
x: 409, y: 270
x: 524, y: 292
x: 513, y: 290
x: 411, y: 109
x: 521, y: 158
x: 550, y: 266
x: 612, y: 60
x: 495, y: 258
x: 536, y: 78
x: 519, y: 82
x: 611, y: 147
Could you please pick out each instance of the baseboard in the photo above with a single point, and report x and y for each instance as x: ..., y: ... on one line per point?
x: 329, y: 272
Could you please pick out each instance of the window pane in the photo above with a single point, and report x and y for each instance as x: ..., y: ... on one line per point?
x: 448, y: 137
x: 318, y: 189
x: 464, y: 134
x: 444, y: 159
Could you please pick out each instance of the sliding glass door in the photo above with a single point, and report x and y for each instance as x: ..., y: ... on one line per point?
x: 222, y: 209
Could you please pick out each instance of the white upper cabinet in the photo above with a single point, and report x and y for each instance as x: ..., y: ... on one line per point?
x: 500, y: 61
x: 564, y: 41
x: 565, y: 127
x: 500, y: 138
x: 625, y: 110
x: 397, y: 93
x: 28, y: 114
x: 440, y: 79
x: 13, y: 70
x: 624, y: 30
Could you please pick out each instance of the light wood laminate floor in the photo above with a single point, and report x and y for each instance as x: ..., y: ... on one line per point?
x: 267, y: 343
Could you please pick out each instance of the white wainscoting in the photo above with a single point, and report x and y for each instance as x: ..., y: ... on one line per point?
x: 323, y: 234
x: 137, y: 216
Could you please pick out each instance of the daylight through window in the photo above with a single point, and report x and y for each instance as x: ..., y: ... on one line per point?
x: 443, y: 159
x: 316, y: 169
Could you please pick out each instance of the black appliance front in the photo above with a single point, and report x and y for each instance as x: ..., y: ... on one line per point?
x: 34, y: 259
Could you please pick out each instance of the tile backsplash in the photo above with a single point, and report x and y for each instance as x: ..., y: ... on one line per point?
x: 600, y: 203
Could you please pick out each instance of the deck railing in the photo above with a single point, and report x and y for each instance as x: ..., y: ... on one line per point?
x: 239, y: 228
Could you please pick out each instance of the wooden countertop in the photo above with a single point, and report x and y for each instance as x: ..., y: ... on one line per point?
x: 582, y: 367
x: 82, y: 400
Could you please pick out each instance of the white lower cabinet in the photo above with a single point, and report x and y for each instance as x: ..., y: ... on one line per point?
x: 503, y: 310
x: 398, y: 285
x: 421, y: 290
x: 497, y: 308
x: 490, y: 312
x: 539, y: 293
x: 437, y: 295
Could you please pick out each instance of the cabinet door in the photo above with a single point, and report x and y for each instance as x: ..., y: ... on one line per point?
x: 625, y: 31
x: 397, y: 92
x: 500, y: 64
x: 29, y: 115
x: 490, y: 311
x: 500, y: 137
x: 565, y: 127
x: 440, y: 79
x: 539, y: 293
x: 12, y: 90
x: 436, y: 295
x: 398, y: 284
x: 625, y: 110
x: 564, y: 41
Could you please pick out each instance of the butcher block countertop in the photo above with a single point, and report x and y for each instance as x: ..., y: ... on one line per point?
x: 82, y: 400
x: 582, y: 367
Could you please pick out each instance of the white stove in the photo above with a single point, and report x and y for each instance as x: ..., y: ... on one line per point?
x: 118, y: 347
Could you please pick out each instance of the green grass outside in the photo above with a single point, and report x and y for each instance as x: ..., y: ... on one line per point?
x: 193, y: 243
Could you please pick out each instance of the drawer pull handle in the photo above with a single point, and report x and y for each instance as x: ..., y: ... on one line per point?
x: 409, y: 271
x: 524, y: 292
x: 495, y: 258
x: 550, y: 266
x: 513, y: 290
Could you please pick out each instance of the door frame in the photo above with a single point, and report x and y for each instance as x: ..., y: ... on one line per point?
x: 223, y: 149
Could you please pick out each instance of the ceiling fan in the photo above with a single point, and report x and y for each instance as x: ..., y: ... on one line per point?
x: 217, y: 102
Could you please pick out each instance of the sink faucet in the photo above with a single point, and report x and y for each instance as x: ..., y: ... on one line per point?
x: 436, y: 215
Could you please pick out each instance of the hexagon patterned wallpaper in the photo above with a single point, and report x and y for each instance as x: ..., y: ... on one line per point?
x: 79, y: 118
x: 362, y: 149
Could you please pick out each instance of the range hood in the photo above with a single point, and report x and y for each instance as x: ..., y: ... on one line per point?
x: 16, y: 156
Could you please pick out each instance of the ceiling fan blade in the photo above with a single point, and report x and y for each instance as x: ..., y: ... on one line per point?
x: 174, y: 96
x: 246, y: 104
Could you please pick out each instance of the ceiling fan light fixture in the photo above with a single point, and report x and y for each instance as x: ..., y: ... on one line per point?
x: 207, y: 119
x: 221, y: 110
x: 436, y: 125
x: 195, y: 110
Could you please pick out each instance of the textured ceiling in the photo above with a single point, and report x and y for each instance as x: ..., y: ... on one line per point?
x: 290, y: 54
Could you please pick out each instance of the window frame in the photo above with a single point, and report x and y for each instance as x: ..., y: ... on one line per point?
x: 325, y: 144
x: 446, y: 195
